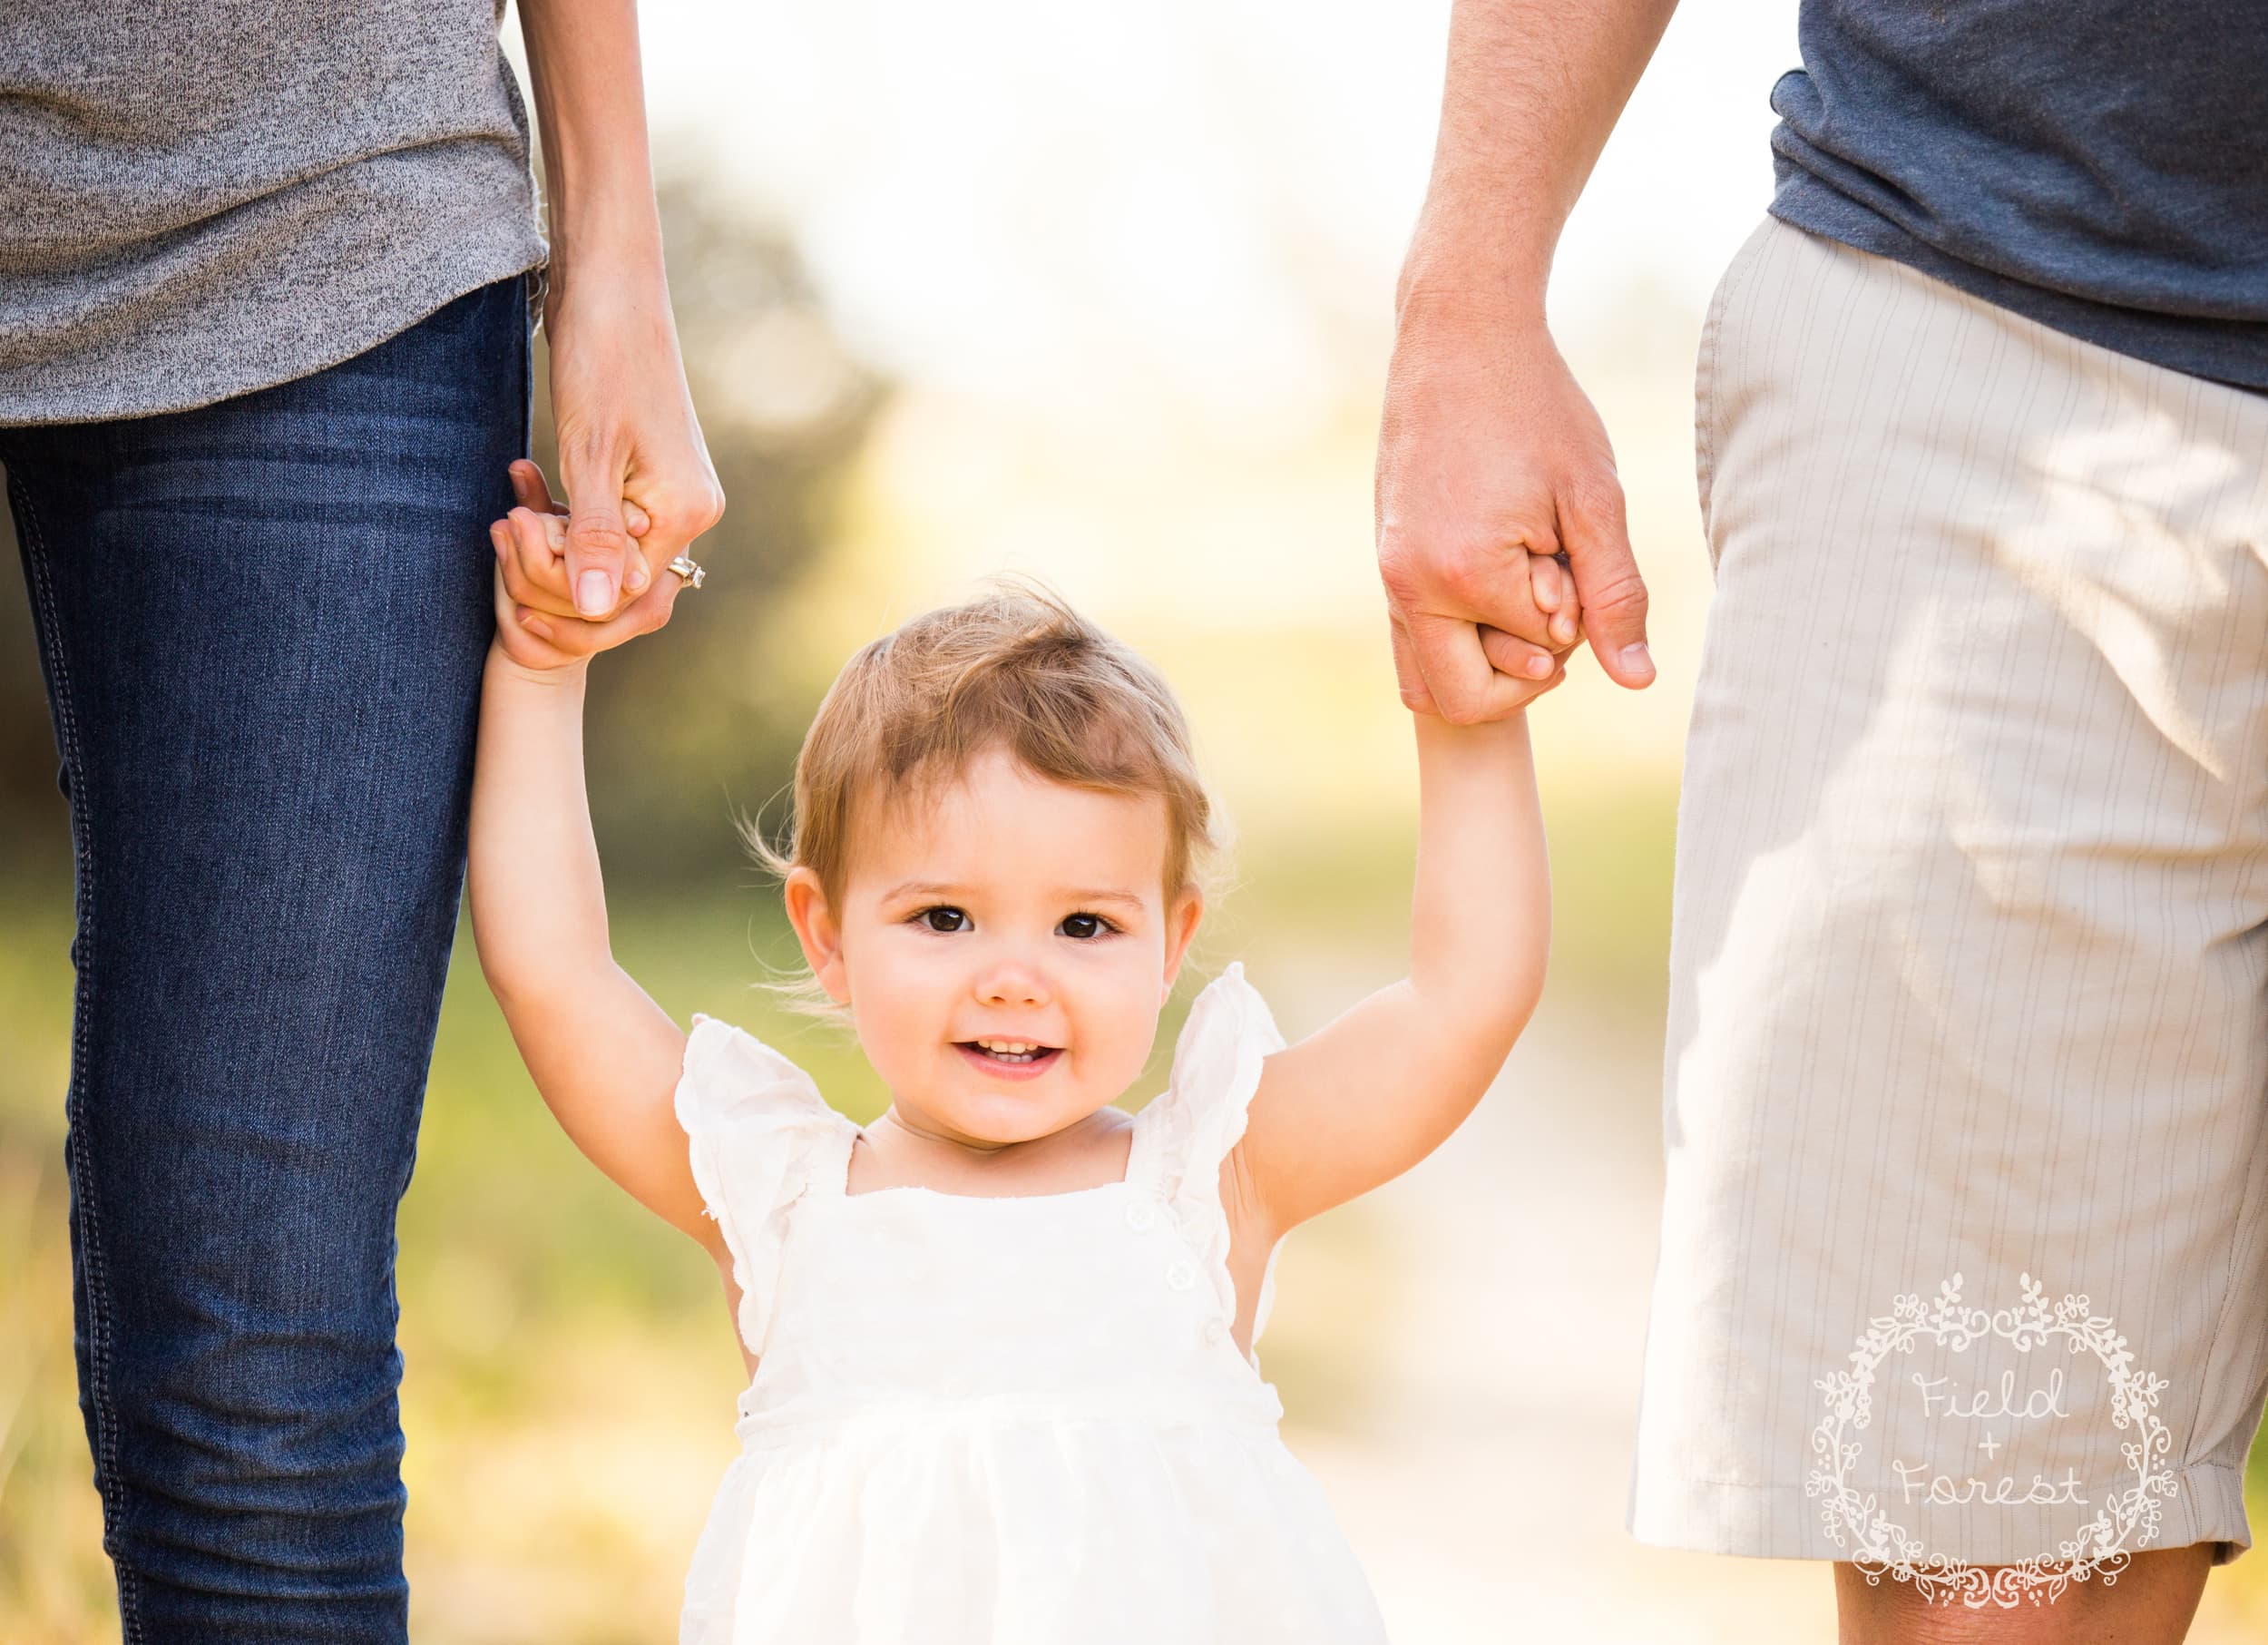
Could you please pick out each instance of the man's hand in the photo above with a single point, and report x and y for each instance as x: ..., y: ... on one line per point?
x: 1487, y: 448
x: 1488, y: 453
x: 1525, y: 672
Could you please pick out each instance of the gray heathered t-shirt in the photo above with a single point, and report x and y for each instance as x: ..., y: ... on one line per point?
x: 206, y: 197
x: 2100, y: 166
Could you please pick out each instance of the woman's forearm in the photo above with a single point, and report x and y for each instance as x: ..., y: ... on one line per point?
x: 628, y: 432
x: 591, y: 112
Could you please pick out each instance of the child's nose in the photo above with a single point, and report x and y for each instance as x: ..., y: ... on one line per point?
x: 1010, y: 981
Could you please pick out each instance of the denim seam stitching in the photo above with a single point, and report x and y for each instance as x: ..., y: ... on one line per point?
x: 97, y: 1277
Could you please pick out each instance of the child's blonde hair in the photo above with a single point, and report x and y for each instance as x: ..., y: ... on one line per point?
x: 1015, y: 669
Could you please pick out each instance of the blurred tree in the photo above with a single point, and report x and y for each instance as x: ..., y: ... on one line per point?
x: 688, y: 725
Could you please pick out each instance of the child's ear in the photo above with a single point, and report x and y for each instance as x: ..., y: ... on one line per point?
x: 817, y: 931
x: 1181, y: 922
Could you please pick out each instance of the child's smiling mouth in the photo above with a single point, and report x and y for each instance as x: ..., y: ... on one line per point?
x: 1027, y: 1062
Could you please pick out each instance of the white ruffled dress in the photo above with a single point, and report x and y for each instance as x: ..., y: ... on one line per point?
x: 1002, y: 1421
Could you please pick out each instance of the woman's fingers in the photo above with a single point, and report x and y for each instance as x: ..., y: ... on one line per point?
x: 532, y: 548
x: 531, y: 490
x: 1415, y: 697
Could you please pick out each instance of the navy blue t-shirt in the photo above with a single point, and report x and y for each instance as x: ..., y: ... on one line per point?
x: 2100, y: 166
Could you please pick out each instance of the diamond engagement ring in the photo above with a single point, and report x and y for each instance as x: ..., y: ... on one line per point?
x: 687, y: 567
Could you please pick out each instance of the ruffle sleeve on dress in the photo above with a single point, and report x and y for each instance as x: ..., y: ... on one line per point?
x: 1185, y: 1133
x: 758, y: 1134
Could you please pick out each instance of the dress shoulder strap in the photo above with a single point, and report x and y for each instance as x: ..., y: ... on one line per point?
x: 1183, y: 1135
x: 759, y: 1136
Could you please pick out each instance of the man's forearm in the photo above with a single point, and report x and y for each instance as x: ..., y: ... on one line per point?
x: 591, y: 111
x: 1532, y: 89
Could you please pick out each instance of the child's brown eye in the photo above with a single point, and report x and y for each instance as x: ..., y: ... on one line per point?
x: 1083, y: 926
x: 953, y: 919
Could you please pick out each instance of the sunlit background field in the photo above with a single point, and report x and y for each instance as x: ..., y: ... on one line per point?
x: 1102, y: 292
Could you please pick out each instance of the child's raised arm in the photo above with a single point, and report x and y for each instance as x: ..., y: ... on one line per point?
x: 604, y: 1056
x: 1378, y: 1088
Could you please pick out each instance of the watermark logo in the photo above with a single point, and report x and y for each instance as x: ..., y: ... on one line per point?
x: 1988, y: 1381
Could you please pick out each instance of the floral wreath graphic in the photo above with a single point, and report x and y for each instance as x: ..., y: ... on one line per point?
x: 1880, y: 1547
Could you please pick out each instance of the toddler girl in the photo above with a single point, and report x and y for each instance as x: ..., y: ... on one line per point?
x: 1005, y: 1390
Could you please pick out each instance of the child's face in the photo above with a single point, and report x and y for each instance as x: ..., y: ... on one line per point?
x: 1012, y: 908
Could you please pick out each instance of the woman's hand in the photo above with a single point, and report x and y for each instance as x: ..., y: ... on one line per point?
x: 627, y: 430
x: 628, y: 436
x: 537, y: 626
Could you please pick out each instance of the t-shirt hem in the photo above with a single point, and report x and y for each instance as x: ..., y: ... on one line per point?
x: 1804, y: 201
x: 351, y: 328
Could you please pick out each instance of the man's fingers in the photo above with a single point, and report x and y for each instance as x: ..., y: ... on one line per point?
x: 1607, y: 583
x: 1466, y: 688
x: 1414, y: 696
x: 1496, y: 587
x: 1614, y: 612
x: 1447, y: 652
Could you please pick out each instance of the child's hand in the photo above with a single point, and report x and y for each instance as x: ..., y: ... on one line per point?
x: 536, y: 622
x: 1552, y: 585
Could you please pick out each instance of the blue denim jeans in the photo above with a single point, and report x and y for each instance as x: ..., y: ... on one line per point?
x: 262, y: 625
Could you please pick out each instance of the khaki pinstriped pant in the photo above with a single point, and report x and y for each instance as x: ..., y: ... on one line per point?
x: 1965, y: 1244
